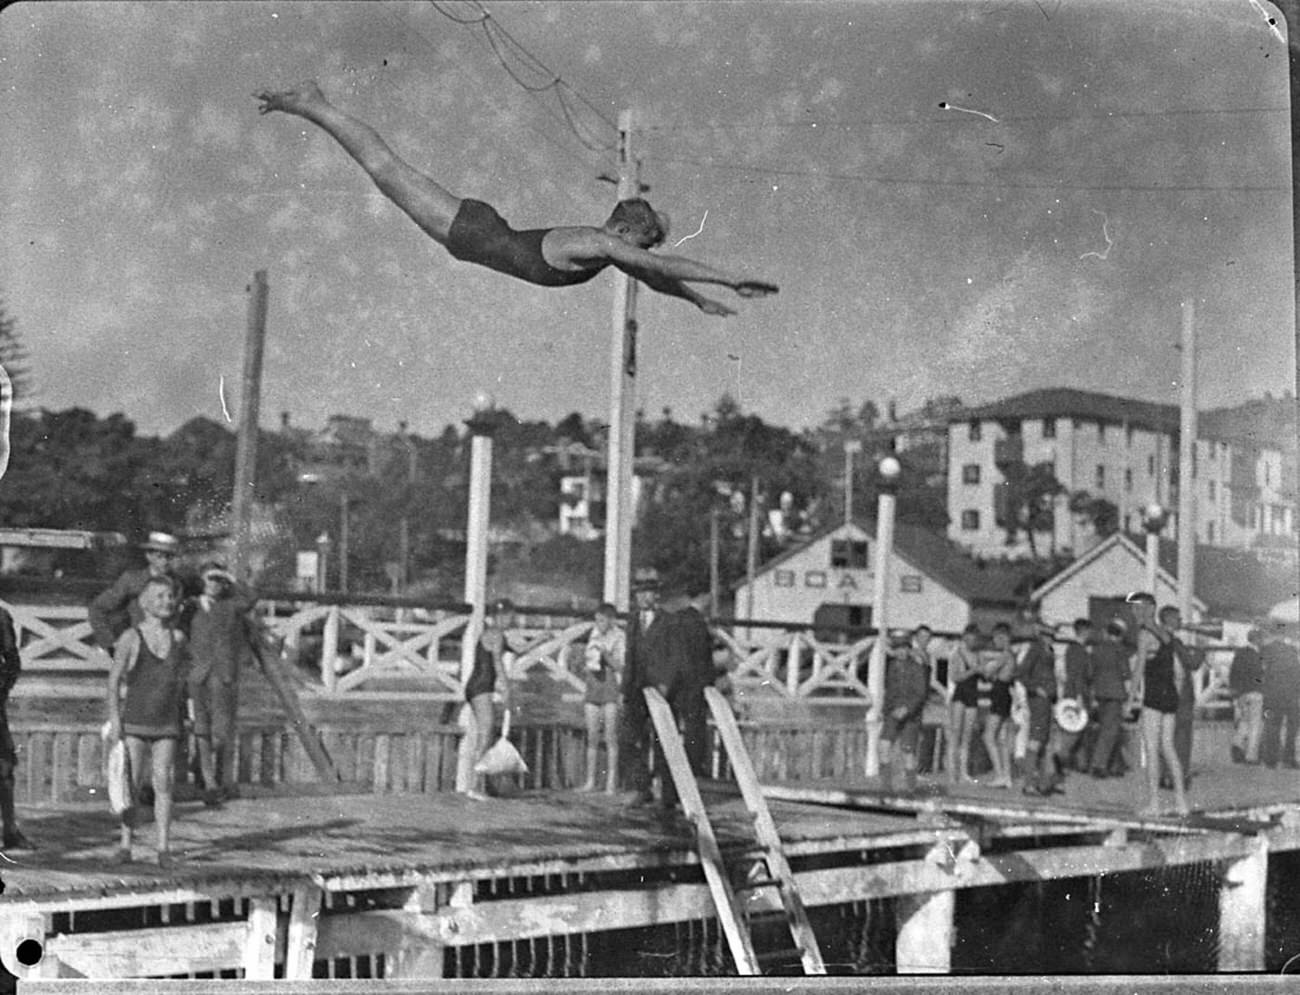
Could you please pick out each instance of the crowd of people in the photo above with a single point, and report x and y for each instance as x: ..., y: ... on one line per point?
x: 1123, y: 698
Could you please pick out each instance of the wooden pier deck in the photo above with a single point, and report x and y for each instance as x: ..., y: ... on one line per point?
x: 401, y: 879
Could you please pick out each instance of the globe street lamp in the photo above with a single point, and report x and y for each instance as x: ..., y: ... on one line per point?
x: 1154, y: 518
x: 888, y: 471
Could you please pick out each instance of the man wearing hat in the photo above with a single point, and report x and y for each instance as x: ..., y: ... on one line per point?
x: 1037, y: 672
x: 115, y: 610
x: 1110, y: 686
x: 220, y: 641
x: 634, y: 717
x: 679, y: 665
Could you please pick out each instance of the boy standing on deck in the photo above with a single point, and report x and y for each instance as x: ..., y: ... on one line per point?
x: 907, y: 683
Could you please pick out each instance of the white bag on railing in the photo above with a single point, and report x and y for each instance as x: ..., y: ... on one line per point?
x: 117, y: 772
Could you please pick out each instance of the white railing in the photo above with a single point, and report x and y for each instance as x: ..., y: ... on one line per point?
x: 362, y: 648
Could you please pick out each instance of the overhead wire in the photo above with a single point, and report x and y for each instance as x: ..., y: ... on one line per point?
x: 513, y: 55
x: 546, y: 135
x: 914, y: 181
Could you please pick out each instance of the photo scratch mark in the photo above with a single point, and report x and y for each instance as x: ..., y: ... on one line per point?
x: 6, y: 403
x: 1272, y: 21
x: 1104, y: 234
x: 221, y: 393
x: 701, y: 229
x: 945, y: 106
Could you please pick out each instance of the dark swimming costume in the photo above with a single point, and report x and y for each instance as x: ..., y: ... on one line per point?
x: 1160, y: 688
x: 480, y: 235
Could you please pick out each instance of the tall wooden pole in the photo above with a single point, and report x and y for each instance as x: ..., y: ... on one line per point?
x: 619, y: 512
x: 481, y: 427
x: 241, y: 503
x: 1187, y: 467
x: 886, y: 507
x: 751, y: 550
x: 714, y: 573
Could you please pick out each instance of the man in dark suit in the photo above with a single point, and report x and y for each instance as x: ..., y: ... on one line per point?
x: 680, y: 666
x: 634, y: 717
x: 115, y: 610
x: 10, y: 666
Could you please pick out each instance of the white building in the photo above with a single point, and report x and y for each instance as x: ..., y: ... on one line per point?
x: 1126, y: 452
x: 830, y: 581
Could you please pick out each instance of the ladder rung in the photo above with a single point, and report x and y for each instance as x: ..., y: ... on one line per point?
x: 756, y: 883
x: 787, y: 953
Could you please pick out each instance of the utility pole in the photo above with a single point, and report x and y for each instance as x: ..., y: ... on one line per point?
x: 1187, y: 466
x: 622, y: 402
x: 751, y: 553
x: 241, y: 503
x: 714, y: 579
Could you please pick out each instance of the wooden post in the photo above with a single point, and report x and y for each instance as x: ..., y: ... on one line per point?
x: 1242, y: 911
x: 619, y: 512
x: 421, y: 956
x: 241, y: 504
x: 481, y: 427
x: 259, y: 944
x: 714, y: 550
x: 889, y: 471
x: 304, y: 913
x: 925, y: 932
x: 1187, y: 467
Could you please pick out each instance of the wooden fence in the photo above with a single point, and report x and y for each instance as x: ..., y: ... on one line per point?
x: 64, y: 762
x: 375, y: 649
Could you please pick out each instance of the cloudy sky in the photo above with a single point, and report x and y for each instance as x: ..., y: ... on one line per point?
x: 955, y: 198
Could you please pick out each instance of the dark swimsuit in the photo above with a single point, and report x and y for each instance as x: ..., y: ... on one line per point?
x: 480, y: 235
x: 155, y: 692
x: 1160, y: 691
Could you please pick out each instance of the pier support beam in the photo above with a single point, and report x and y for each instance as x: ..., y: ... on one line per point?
x: 1242, y: 911
x: 925, y: 932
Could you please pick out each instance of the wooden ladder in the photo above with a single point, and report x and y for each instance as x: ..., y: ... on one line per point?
x: 764, y: 865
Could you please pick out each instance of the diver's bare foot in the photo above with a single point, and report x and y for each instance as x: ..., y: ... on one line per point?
x: 291, y: 101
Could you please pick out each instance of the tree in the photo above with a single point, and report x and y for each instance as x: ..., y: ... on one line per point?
x: 13, y: 357
x: 1025, y: 501
x: 1101, y: 514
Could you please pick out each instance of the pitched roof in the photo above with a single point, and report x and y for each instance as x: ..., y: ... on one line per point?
x: 983, y: 582
x: 1229, y: 583
x: 1066, y: 402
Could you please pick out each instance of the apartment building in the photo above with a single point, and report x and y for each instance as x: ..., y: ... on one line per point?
x: 1125, y: 452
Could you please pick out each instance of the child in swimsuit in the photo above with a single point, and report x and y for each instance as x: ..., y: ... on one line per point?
x: 150, y: 660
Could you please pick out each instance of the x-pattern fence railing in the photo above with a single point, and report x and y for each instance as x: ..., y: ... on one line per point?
x: 361, y: 647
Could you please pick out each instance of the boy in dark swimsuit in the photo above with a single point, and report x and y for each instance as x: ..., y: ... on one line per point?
x: 472, y: 231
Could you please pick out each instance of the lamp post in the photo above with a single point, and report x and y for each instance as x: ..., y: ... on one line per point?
x: 851, y: 446
x: 888, y: 471
x: 1154, y: 517
x: 323, y: 545
x: 481, y: 425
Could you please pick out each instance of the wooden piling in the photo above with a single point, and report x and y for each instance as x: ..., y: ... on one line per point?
x: 925, y: 932
x: 1242, y: 910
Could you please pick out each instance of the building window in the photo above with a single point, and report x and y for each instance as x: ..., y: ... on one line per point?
x: 1049, y: 428
x: 1151, y: 466
x: 1101, y: 431
x: 970, y: 473
x: 1128, y: 479
x: 973, y: 432
x: 970, y: 520
x: 1128, y: 436
x: 1210, y: 488
x: 849, y: 554
x: 1209, y: 533
x: 1101, y: 477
